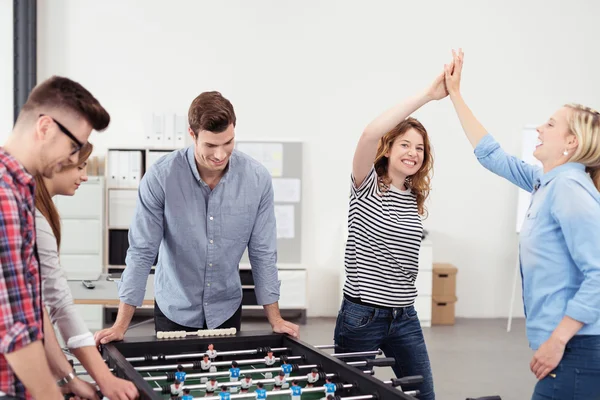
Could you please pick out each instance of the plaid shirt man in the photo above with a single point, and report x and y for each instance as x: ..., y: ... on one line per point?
x: 21, y: 321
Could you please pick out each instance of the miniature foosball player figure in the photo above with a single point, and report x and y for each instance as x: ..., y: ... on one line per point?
x: 312, y: 377
x: 286, y: 368
x: 261, y: 392
x: 205, y: 365
x: 279, y: 381
x: 246, y: 383
x: 224, y: 393
x: 269, y: 362
x: 187, y: 395
x: 176, y: 388
x: 234, y: 372
x: 180, y: 374
x: 212, y: 353
x: 234, y: 375
x: 329, y: 388
x: 211, y: 386
x: 296, y: 390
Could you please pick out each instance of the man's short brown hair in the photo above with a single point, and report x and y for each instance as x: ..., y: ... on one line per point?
x: 64, y: 94
x: 210, y: 111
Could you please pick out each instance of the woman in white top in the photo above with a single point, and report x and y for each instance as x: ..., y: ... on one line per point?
x: 55, y: 289
x: 390, y: 183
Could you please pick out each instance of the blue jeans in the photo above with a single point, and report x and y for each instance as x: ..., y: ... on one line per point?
x: 577, y: 374
x: 397, y: 332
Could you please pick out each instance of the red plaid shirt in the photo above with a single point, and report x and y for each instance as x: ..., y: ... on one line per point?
x: 21, y: 320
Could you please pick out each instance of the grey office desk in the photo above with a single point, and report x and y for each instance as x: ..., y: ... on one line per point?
x: 105, y: 293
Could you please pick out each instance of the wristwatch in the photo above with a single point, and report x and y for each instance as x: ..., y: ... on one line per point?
x: 65, y: 380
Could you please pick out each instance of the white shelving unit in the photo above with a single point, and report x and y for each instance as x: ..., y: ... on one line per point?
x: 82, y: 217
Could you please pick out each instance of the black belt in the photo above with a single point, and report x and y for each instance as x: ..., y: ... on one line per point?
x: 358, y: 301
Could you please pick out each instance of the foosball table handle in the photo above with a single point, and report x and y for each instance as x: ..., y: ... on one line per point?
x: 485, y: 398
x: 381, y: 362
x: 407, y: 381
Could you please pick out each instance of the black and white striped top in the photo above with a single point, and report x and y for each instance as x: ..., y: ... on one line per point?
x: 382, y: 251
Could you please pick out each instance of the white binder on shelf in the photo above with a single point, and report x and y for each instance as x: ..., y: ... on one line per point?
x: 169, y: 136
x: 158, y: 129
x: 113, y: 169
x: 135, y: 168
x: 123, y: 175
x: 181, y: 130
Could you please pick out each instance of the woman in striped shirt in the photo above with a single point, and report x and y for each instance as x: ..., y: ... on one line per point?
x: 390, y: 183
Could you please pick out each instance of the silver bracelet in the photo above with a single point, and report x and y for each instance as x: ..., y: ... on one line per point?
x: 65, y: 380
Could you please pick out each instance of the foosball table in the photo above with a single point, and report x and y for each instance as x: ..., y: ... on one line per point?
x: 223, y: 364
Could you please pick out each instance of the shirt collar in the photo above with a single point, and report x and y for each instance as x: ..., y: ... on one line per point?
x: 15, y: 168
x: 192, y: 162
x: 554, y: 172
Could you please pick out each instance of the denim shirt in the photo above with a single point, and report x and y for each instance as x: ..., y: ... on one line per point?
x: 200, y: 236
x: 559, y: 243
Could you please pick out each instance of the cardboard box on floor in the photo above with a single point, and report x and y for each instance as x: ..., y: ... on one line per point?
x: 443, y: 294
x: 442, y: 310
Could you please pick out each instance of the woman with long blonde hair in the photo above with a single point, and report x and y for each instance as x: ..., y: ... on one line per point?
x: 559, y: 241
x: 57, y: 295
x: 391, y: 173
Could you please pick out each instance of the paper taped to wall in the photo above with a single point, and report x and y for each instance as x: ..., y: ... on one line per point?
x: 268, y: 154
x: 286, y: 190
x: 284, y: 215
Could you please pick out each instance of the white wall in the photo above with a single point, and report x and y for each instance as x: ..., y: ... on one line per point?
x: 319, y: 72
x: 6, y: 68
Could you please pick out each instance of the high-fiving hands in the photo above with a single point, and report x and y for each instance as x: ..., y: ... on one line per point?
x: 452, y: 72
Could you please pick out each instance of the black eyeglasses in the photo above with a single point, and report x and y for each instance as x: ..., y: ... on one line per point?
x: 68, y: 133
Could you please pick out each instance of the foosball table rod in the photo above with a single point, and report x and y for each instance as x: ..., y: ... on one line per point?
x: 149, y: 357
x: 370, y: 396
x: 339, y: 386
x: 170, y: 377
x: 196, y: 365
x: 322, y: 376
x: 278, y: 392
x: 260, y: 350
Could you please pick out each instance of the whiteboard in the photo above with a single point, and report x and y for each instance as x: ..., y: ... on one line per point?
x: 528, y: 141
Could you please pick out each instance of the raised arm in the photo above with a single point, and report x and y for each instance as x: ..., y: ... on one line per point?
x: 488, y: 151
x: 366, y: 149
x: 473, y: 129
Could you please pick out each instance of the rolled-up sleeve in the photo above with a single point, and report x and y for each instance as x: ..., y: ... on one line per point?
x: 20, y: 324
x: 145, y: 236
x: 578, y: 213
x: 262, y: 248
x: 495, y: 159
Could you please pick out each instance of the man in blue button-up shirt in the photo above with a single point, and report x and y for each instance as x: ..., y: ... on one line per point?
x: 199, y: 208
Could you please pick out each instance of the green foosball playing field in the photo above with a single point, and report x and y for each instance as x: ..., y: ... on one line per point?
x: 197, y: 380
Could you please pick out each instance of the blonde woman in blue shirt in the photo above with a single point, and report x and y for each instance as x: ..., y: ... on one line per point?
x: 559, y: 242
